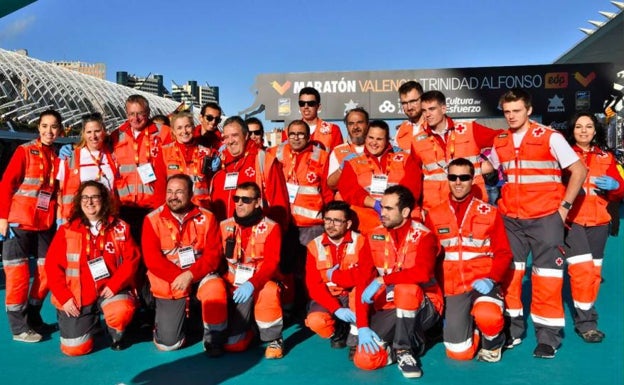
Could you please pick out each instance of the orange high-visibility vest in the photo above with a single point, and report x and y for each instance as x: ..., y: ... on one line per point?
x: 468, y: 255
x: 75, y: 252
x: 307, y: 206
x: 252, y: 255
x: 590, y: 208
x: 387, y: 259
x: 72, y: 180
x: 405, y: 134
x: 24, y: 209
x: 193, y: 234
x: 533, y: 188
x: 129, y: 156
x: 175, y: 164
x: 460, y: 143
x: 325, y: 260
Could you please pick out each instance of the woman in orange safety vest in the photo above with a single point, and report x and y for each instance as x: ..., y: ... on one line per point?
x: 91, y: 265
x: 589, y: 220
x: 90, y: 160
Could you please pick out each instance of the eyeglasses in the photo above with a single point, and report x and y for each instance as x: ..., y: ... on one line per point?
x: 92, y: 198
x: 256, y: 133
x: 298, y: 135
x: 334, y: 221
x: 210, y: 118
x: 412, y: 101
x: 136, y: 114
x: 461, y: 177
x: 309, y: 103
x: 246, y: 200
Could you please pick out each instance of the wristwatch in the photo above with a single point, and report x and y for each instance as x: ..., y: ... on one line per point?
x: 566, y: 205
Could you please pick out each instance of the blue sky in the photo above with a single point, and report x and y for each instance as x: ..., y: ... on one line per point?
x: 228, y: 43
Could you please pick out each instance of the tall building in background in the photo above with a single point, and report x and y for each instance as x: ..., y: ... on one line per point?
x: 194, y: 95
x: 94, y: 69
x: 152, y: 83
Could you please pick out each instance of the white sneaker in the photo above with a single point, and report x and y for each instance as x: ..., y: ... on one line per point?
x: 489, y: 355
x: 28, y: 336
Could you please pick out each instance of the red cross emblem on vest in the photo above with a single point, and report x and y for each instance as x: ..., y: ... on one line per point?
x: 483, y: 208
x: 120, y: 228
x: 460, y: 129
x: 109, y: 247
x: 539, y: 132
x: 261, y: 228
x: 399, y: 157
x: 413, y: 237
x: 154, y: 151
x: 311, y: 177
x: 200, y: 219
x: 325, y: 128
x: 602, y: 154
x: 203, y: 152
x: 559, y: 261
x: 250, y: 172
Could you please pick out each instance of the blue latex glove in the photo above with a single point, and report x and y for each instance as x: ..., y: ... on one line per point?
x: 377, y: 207
x: 347, y: 158
x: 330, y: 272
x: 369, y: 292
x: 483, y: 285
x: 345, y: 314
x: 59, y: 222
x: 66, y: 151
x: 10, y: 235
x: 607, y: 183
x: 215, y: 164
x: 243, y: 292
x: 367, y: 340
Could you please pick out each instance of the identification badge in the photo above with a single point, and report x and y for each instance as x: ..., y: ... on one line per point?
x: 146, y: 173
x: 390, y: 293
x: 98, y: 269
x: 186, y: 256
x: 43, y: 200
x: 293, y: 189
x: 379, y: 183
x: 243, y: 273
x: 231, y: 181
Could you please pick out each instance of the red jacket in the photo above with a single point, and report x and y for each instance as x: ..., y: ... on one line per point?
x: 345, y: 277
x: 267, y: 174
x: 129, y: 154
x: 199, y: 229
x: 590, y: 206
x: 266, y: 253
x: 411, y: 260
x: 475, y: 241
x: 32, y: 169
x: 120, y: 253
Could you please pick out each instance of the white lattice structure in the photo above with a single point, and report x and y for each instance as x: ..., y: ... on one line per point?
x: 29, y: 86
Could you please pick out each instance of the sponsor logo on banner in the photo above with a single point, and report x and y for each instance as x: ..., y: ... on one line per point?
x: 387, y: 107
x: 281, y: 88
x: 350, y: 105
x: 585, y: 80
x: 556, y: 104
x: 283, y: 107
x: 582, y: 101
x: 556, y: 80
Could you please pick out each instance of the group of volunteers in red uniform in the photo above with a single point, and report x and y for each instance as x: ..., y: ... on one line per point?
x: 375, y: 241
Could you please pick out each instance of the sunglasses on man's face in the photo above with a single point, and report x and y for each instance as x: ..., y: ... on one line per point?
x: 210, y: 118
x: 461, y: 177
x: 246, y: 200
x: 256, y: 133
x: 310, y: 103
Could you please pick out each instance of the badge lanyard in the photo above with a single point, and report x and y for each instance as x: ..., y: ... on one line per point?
x: 146, y: 143
x: 51, y: 159
x: 400, y: 258
x: 98, y: 162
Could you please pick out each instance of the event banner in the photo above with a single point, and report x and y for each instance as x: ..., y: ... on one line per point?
x: 558, y: 90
